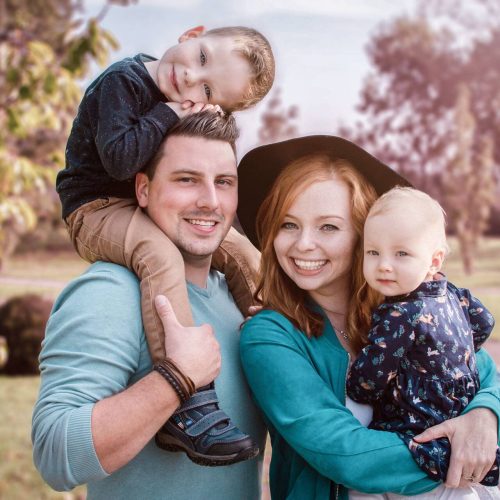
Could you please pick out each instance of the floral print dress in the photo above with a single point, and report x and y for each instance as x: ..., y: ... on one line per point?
x: 419, y: 367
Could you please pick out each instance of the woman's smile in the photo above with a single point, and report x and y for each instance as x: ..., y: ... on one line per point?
x: 309, y: 265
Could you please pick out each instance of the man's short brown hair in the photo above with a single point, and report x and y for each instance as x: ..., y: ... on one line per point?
x: 207, y: 124
x: 255, y: 49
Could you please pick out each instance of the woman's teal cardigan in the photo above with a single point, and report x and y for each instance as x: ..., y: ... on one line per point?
x: 299, y: 384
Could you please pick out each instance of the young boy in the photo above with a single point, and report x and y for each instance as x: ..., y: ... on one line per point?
x: 419, y: 366
x: 123, y: 118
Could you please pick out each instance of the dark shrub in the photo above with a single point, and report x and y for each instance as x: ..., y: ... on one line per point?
x: 4, y: 353
x: 22, y: 323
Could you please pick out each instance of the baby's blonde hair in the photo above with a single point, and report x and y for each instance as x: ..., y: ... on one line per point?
x: 422, y: 210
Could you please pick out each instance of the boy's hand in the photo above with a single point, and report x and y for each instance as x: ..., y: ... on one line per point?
x: 188, y: 107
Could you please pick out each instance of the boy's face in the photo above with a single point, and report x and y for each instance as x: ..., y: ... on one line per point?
x: 203, y: 69
x: 399, y: 255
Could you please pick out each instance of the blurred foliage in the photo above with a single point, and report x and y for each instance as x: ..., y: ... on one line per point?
x: 468, y: 181
x: 46, y: 46
x: 22, y: 324
x: 423, y: 66
x: 278, y: 122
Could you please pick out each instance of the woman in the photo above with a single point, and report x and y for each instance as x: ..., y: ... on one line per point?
x: 296, y: 352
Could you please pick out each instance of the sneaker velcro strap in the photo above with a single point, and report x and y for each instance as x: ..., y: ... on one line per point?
x: 207, y: 422
x: 198, y: 399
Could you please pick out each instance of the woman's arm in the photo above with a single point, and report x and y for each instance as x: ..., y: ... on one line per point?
x: 473, y: 435
x: 305, y: 411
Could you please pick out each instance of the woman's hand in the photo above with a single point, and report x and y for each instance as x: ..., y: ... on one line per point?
x: 473, y: 437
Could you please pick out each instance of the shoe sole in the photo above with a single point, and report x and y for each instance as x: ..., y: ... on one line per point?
x: 169, y: 443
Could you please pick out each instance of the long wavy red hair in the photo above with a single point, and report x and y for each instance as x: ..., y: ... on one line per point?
x: 275, y: 289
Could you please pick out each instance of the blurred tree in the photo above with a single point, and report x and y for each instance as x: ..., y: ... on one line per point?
x: 277, y: 121
x: 45, y: 47
x: 468, y: 183
x: 409, y: 102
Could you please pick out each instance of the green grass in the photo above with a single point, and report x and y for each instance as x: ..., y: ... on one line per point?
x: 45, y: 265
x: 49, y: 271
x: 484, y: 282
x: 18, y: 478
x: 8, y: 290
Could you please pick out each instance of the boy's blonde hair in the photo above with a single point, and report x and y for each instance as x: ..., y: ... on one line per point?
x: 255, y: 48
x: 422, y: 211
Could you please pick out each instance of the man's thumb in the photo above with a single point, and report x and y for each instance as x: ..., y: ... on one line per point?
x: 164, y: 309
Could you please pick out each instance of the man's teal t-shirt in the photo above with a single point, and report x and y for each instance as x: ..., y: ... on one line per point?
x: 95, y: 326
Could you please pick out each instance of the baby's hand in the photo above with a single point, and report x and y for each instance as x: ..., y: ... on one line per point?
x: 188, y: 107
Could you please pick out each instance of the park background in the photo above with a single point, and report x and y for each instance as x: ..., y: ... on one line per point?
x: 417, y: 82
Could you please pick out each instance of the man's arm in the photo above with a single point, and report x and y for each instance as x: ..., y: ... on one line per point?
x: 88, y: 421
x: 474, y: 434
x: 123, y: 424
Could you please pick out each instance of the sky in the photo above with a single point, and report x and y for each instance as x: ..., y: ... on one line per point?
x: 319, y: 46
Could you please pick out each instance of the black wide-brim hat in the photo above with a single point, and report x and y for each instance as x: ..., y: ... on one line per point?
x: 260, y: 167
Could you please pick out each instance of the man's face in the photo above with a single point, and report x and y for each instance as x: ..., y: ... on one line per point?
x: 204, y: 69
x: 193, y: 195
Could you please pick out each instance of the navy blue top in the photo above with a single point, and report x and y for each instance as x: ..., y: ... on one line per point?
x: 419, y: 367
x: 120, y: 125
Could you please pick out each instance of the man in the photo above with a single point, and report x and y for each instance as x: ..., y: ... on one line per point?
x: 100, y: 404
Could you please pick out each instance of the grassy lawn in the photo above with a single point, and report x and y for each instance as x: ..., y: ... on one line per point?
x: 18, y: 478
x: 45, y: 265
x: 49, y: 271
x: 485, y: 280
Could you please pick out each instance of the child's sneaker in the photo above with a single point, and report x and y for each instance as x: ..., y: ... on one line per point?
x: 205, y: 433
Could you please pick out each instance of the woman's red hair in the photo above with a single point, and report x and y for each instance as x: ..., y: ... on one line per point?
x: 275, y: 289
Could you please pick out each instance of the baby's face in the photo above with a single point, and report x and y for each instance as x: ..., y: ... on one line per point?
x: 398, y: 255
x: 204, y: 69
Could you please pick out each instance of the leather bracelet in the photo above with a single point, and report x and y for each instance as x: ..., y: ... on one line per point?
x: 182, y: 384
x: 188, y: 384
x: 181, y: 394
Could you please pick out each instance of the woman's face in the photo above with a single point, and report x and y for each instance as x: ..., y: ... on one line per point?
x: 315, y: 243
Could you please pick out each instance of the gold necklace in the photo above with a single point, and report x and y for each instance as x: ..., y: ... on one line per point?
x: 344, y: 333
x: 330, y: 313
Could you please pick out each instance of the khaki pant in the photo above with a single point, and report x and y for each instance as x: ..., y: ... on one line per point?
x: 117, y: 230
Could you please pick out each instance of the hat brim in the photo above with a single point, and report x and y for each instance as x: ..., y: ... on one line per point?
x: 260, y: 167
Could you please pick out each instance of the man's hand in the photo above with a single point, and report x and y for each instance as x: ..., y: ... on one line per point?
x: 188, y: 107
x: 194, y: 350
x: 473, y: 439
